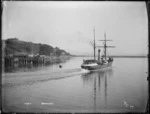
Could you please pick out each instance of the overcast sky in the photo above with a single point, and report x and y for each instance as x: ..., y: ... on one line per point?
x: 69, y: 25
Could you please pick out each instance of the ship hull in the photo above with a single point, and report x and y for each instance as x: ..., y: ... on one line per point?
x: 96, y: 67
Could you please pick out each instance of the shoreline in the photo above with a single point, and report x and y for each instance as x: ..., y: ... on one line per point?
x: 118, y: 56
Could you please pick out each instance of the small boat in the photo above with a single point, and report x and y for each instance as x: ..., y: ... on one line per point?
x: 103, y: 62
x: 60, y: 66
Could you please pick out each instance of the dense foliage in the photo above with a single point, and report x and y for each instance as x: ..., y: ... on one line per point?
x: 15, y: 46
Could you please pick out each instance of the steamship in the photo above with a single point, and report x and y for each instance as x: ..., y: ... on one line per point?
x: 101, y: 62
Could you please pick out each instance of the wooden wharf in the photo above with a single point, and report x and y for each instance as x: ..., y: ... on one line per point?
x: 25, y: 59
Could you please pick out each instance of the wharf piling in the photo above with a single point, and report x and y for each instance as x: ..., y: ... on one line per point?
x: 25, y: 59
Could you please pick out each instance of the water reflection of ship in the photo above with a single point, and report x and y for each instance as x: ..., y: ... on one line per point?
x: 99, y: 82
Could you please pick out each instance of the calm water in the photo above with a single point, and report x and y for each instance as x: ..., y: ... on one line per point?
x: 121, y: 88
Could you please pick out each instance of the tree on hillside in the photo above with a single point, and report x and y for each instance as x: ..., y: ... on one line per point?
x: 45, y: 49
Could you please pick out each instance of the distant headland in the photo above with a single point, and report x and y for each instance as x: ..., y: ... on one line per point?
x: 14, y: 46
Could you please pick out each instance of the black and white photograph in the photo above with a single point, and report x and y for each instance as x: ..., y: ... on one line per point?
x: 74, y: 57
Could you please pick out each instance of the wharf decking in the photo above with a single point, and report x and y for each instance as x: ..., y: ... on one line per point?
x: 25, y: 59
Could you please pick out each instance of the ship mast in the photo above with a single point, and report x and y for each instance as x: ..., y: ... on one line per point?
x: 94, y: 42
x: 105, y: 46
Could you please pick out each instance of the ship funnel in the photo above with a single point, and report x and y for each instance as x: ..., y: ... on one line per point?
x: 99, y: 55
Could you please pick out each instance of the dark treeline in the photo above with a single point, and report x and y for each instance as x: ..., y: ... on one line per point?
x: 15, y: 46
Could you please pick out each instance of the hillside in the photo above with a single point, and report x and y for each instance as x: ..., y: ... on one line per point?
x: 15, y: 46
